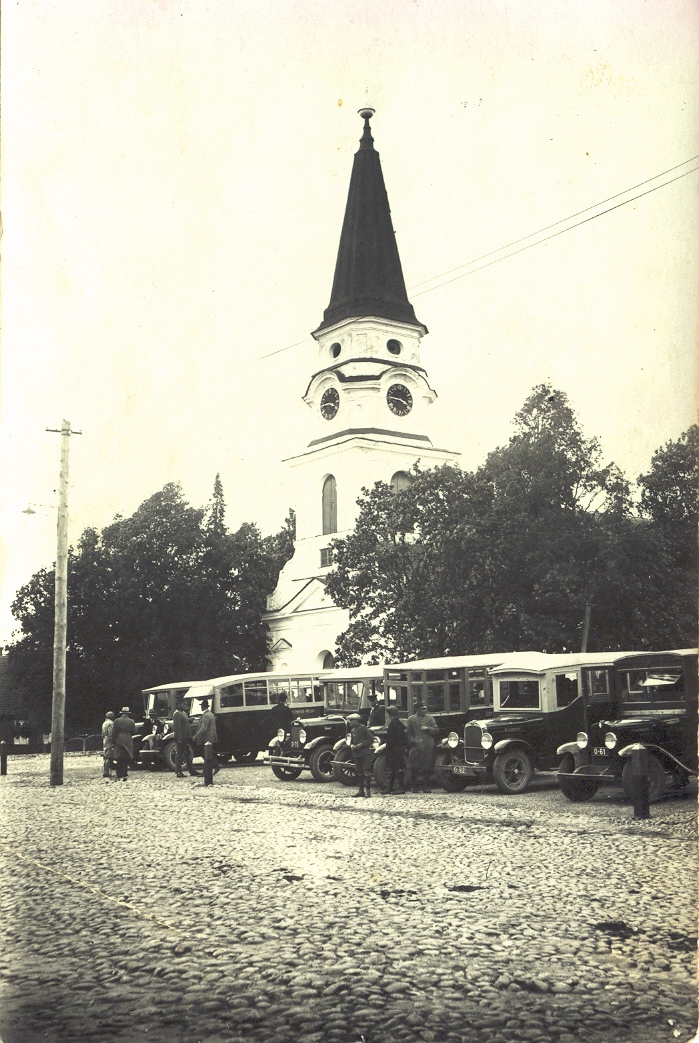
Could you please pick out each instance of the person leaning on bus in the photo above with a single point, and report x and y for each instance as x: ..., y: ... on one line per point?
x: 281, y: 715
x: 182, y: 727
x: 422, y: 731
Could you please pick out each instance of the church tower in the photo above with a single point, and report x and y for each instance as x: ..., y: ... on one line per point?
x: 370, y: 398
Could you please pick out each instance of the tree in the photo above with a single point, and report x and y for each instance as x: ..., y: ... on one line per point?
x: 167, y: 594
x: 508, y: 558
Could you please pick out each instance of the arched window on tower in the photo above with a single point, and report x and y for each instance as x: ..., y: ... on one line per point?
x: 400, y: 481
x: 329, y: 505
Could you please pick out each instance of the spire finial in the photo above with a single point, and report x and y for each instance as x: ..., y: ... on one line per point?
x: 366, y: 140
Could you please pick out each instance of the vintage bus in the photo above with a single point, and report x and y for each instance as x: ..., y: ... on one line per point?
x: 454, y: 689
x: 538, y: 699
x: 308, y: 744
x: 653, y: 704
x: 241, y: 704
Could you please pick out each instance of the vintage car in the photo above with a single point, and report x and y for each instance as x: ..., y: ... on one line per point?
x: 309, y: 743
x: 454, y: 689
x: 655, y: 707
x: 537, y: 700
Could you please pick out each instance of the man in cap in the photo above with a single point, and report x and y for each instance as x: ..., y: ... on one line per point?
x: 107, y: 744
x: 361, y: 743
x: 422, y: 731
x: 122, y: 737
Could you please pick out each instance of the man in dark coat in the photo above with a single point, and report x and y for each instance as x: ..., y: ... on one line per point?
x: 281, y: 715
x: 377, y: 714
x: 206, y: 731
x: 182, y: 727
x: 422, y: 731
x: 361, y: 745
x: 396, y: 748
x: 122, y: 741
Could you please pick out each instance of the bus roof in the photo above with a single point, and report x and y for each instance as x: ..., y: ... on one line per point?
x: 169, y: 687
x: 204, y: 689
x: 457, y: 661
x: 538, y: 662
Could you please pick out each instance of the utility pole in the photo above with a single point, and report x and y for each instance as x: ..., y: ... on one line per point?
x: 61, y: 611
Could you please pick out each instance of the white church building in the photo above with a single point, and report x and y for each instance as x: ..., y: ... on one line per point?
x: 370, y: 398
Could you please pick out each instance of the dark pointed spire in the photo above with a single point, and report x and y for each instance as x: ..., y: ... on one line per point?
x: 368, y: 274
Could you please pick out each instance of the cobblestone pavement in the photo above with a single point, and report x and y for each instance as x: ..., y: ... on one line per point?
x: 257, y: 910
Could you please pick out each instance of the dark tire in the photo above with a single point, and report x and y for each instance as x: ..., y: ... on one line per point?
x: 320, y: 763
x: 245, y: 756
x: 169, y: 754
x: 447, y: 779
x: 656, y: 779
x: 576, y: 790
x: 224, y: 757
x: 512, y: 771
x: 286, y: 774
x: 344, y: 772
x: 381, y: 772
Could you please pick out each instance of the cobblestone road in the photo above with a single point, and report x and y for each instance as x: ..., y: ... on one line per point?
x: 158, y: 910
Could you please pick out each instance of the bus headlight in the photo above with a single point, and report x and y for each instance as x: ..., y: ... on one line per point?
x: 610, y: 740
x: 486, y: 740
x: 281, y: 734
x: 302, y: 735
x: 581, y: 740
x: 452, y: 740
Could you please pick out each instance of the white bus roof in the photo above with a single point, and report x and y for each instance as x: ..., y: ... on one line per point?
x: 456, y: 661
x: 538, y: 662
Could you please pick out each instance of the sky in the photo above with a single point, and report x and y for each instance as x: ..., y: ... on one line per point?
x: 174, y: 176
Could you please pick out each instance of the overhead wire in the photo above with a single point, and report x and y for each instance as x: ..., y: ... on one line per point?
x: 467, y: 269
x: 563, y: 220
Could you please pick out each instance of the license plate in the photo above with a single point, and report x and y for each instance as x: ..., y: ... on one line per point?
x: 600, y: 751
x: 459, y: 769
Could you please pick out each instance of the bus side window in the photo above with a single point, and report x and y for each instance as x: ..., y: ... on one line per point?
x: 231, y: 696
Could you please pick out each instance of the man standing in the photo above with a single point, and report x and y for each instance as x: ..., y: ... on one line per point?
x: 377, y: 714
x: 281, y: 715
x: 361, y: 742
x: 182, y: 727
x: 107, y: 744
x: 122, y: 737
x: 396, y: 743
x: 422, y: 731
x: 206, y: 730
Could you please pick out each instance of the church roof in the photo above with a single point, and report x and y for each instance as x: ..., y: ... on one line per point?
x: 368, y: 274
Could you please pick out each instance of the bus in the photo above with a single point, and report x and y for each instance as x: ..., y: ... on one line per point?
x: 241, y: 704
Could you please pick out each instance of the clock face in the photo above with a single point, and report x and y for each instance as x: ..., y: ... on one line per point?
x: 399, y: 399
x: 329, y: 403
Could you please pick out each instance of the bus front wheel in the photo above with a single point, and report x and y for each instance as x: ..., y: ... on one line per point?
x: 245, y: 756
x: 284, y: 773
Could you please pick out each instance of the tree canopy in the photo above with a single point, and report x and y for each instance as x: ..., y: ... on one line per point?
x: 511, y: 556
x: 167, y: 594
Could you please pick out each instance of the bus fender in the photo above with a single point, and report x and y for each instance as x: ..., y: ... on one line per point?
x: 508, y: 744
x: 568, y: 747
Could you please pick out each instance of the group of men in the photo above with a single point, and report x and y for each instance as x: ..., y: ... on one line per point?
x: 414, y: 743
x: 117, y: 740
